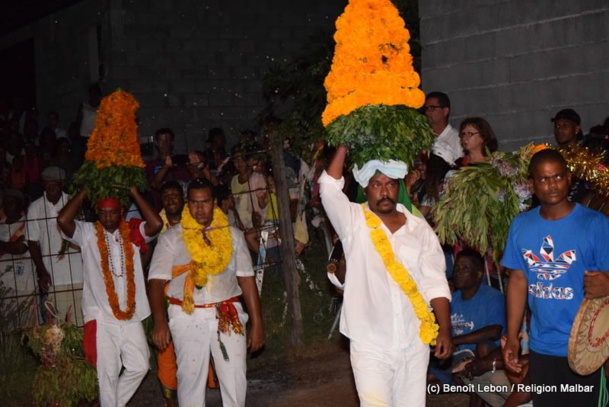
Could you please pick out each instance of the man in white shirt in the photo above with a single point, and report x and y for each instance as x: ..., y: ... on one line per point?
x: 447, y: 144
x: 207, y: 267
x: 387, y: 248
x: 114, y: 293
x: 58, y: 267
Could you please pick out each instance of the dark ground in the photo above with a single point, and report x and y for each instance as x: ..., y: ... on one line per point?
x: 320, y: 377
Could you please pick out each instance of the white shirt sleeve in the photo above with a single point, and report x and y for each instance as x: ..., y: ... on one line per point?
x: 243, y: 260
x: 32, y: 231
x: 339, y: 209
x: 163, y: 257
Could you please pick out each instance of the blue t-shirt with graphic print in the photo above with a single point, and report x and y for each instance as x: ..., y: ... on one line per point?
x: 554, y: 255
x: 485, y: 308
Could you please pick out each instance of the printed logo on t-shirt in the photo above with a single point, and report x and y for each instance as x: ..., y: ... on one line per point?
x: 547, y: 268
x: 460, y: 325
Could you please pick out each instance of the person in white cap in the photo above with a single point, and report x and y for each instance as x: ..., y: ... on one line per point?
x: 387, y: 249
x: 59, y: 274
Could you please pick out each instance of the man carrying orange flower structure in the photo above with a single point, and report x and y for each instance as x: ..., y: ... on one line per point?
x: 395, y: 269
x: 114, y: 292
x: 395, y: 272
x: 208, y: 267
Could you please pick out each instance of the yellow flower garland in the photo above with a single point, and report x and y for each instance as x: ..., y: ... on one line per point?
x: 428, y: 330
x: 211, y: 250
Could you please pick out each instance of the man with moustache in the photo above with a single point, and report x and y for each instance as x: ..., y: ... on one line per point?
x: 385, y: 246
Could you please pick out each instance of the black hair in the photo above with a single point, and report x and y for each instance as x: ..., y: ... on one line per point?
x: 435, y: 171
x: 200, y: 183
x: 171, y: 185
x: 476, y: 257
x: 442, y: 97
x: 164, y: 130
x: 547, y: 155
x: 222, y: 193
x: 213, y: 133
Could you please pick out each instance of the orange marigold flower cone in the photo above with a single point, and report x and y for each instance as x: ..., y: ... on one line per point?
x: 113, y: 161
x: 372, y: 64
x: 114, y: 140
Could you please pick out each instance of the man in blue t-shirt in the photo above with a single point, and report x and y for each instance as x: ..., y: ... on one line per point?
x: 477, y: 314
x: 550, y: 251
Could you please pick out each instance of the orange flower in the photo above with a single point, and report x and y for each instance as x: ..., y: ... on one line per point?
x: 114, y: 139
x: 537, y: 148
x: 129, y: 271
x: 372, y: 62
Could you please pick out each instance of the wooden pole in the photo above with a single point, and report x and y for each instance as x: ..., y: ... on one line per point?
x: 286, y: 231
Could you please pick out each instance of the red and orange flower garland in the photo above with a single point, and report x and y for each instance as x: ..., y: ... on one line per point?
x: 129, y: 271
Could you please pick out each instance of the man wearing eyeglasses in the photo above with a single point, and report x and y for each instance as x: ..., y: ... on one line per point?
x: 447, y: 144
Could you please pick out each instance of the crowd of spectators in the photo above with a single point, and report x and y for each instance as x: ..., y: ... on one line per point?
x: 41, y: 274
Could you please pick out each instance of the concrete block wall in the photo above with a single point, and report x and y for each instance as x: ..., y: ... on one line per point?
x: 62, y: 57
x: 517, y: 62
x: 192, y: 64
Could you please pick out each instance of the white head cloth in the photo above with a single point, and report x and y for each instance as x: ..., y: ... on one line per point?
x: 392, y: 169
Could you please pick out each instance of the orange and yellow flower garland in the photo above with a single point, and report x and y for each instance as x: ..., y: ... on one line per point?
x: 114, y: 140
x: 129, y: 271
x: 372, y: 64
x: 428, y: 330
x: 211, y: 257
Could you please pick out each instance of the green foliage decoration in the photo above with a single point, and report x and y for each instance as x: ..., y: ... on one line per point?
x: 379, y: 132
x: 107, y: 182
x: 63, y: 378
x: 480, y: 201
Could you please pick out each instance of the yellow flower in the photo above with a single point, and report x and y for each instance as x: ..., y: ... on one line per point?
x: 210, y: 248
x: 428, y: 331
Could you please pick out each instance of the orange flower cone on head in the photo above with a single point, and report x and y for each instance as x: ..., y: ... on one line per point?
x: 113, y: 161
x: 372, y: 64
x: 114, y: 140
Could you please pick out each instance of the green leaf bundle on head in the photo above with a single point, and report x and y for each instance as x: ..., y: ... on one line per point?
x: 378, y: 132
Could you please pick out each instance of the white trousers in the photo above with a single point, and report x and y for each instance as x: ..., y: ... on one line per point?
x: 390, y: 378
x: 195, y: 337
x: 118, y: 346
